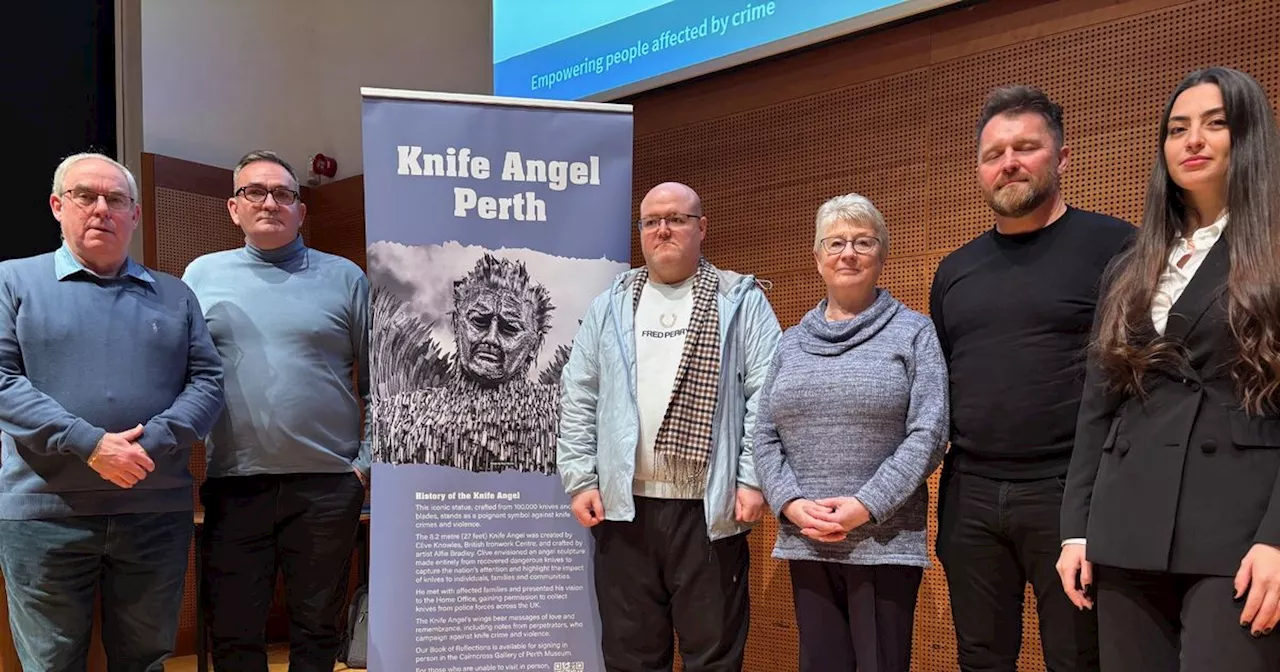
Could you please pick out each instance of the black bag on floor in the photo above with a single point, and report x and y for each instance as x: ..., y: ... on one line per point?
x: 355, y: 646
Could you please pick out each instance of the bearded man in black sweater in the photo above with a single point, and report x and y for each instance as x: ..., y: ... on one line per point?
x: 1014, y: 309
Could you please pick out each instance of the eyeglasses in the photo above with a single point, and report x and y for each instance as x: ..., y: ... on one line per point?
x: 863, y: 245
x: 676, y: 221
x: 87, y: 198
x: 257, y: 194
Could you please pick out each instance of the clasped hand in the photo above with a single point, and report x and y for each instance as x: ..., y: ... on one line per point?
x: 828, y: 520
x: 120, y: 459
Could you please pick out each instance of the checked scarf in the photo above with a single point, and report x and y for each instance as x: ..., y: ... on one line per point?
x: 682, y: 448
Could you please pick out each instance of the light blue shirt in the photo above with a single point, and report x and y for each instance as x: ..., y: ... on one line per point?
x: 65, y: 265
x: 291, y: 325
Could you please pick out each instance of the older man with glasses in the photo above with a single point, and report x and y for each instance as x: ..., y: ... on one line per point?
x: 107, y: 377
x: 289, y: 459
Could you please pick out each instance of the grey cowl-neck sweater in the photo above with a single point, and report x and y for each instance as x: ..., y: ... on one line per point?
x: 857, y: 408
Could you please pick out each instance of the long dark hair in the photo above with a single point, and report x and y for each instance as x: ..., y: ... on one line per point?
x: 1126, y: 345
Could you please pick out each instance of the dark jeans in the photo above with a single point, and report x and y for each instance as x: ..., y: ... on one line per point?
x: 854, y: 617
x: 994, y: 536
x: 52, y: 568
x: 662, y: 572
x: 303, y: 525
x: 1158, y: 622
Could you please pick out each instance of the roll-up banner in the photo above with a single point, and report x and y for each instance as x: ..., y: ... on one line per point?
x: 491, y: 224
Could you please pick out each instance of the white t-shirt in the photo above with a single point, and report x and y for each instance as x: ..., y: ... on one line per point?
x: 661, y: 324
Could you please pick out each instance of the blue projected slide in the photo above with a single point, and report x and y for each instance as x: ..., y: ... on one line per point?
x: 573, y: 49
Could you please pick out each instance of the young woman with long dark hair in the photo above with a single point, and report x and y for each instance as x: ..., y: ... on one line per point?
x: 1175, y: 479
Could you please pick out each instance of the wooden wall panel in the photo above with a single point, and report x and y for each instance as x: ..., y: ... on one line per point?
x: 336, y: 215
x: 892, y: 115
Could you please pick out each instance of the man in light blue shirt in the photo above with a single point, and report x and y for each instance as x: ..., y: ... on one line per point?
x: 288, y: 460
x: 107, y: 376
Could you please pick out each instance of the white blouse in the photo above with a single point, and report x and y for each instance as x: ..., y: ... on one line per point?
x: 1174, y: 280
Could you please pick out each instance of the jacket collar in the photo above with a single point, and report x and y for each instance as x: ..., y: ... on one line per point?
x: 732, y: 285
x: 1209, y: 282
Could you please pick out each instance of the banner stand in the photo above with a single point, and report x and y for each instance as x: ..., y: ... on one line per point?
x: 492, y: 223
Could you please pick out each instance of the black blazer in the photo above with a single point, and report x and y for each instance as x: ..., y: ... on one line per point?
x: 1184, y: 480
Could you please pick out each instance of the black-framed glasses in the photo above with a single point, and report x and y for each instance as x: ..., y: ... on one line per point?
x: 863, y: 245
x: 87, y: 198
x: 676, y: 221
x: 258, y: 194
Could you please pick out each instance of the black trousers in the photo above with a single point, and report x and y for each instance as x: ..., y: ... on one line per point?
x: 661, y: 572
x: 993, y: 537
x: 1157, y: 622
x: 303, y: 525
x: 854, y: 617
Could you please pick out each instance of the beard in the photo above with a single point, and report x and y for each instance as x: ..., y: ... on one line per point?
x: 1021, y: 198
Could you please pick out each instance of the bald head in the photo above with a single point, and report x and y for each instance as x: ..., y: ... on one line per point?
x: 674, y: 193
x: 671, y: 232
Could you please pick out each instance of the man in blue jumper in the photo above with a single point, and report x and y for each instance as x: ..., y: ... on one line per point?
x: 107, y: 376
x: 288, y: 459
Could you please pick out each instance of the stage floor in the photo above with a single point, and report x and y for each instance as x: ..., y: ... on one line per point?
x: 277, y: 661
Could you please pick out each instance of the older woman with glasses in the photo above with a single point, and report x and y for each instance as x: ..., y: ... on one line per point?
x: 852, y: 420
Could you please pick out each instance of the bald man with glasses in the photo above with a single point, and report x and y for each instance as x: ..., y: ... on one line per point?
x: 655, y: 444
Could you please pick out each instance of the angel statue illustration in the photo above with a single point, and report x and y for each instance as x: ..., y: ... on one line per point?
x: 475, y: 408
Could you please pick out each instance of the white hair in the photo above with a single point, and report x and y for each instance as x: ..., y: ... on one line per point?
x: 851, y: 209
x: 60, y: 175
